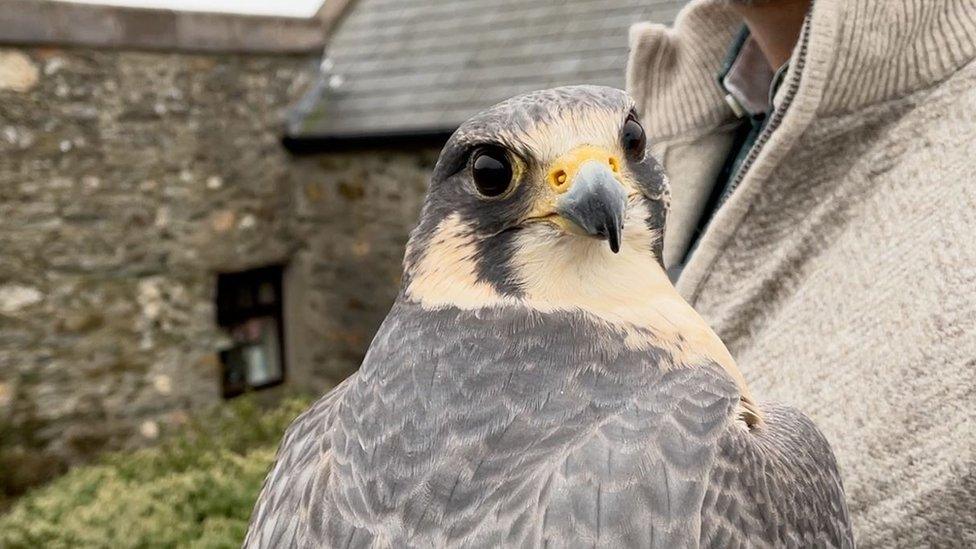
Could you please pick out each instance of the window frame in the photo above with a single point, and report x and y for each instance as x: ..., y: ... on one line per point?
x: 230, y: 314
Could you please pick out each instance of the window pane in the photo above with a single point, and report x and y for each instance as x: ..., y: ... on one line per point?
x: 262, y: 355
x: 249, y: 308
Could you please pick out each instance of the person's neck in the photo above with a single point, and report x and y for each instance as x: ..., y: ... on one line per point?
x: 775, y: 25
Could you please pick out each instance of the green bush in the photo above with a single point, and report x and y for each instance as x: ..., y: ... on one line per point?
x: 195, y: 489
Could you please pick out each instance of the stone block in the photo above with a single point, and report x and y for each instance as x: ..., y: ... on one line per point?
x: 17, y: 72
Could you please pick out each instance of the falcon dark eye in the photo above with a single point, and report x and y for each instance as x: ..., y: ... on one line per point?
x: 633, y: 139
x: 491, y: 170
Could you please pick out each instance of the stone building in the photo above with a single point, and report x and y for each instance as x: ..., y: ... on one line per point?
x: 196, y: 205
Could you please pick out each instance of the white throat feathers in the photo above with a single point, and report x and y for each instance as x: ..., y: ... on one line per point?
x: 560, y: 272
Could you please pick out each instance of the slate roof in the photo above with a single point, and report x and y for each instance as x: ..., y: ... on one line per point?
x: 420, y: 67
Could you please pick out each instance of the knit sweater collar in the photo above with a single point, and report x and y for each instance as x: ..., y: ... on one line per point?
x: 859, y: 52
x: 851, y: 54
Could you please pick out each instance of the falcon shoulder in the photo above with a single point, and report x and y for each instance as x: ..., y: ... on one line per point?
x: 776, y: 486
x: 679, y: 468
x: 302, y: 465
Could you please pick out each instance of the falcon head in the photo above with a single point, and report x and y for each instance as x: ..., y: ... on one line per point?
x: 560, y: 173
x: 551, y: 202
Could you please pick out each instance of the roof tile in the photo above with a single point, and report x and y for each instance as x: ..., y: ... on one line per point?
x: 402, y: 66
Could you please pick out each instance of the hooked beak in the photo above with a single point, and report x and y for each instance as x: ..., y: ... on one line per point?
x: 595, y: 201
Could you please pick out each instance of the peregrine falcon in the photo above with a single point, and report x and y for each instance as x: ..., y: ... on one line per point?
x: 539, y: 381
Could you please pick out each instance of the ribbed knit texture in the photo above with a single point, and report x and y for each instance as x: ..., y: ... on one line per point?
x: 887, y: 49
x: 842, y: 272
x: 675, y: 102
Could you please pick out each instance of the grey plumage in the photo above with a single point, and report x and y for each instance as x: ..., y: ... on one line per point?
x: 507, y: 425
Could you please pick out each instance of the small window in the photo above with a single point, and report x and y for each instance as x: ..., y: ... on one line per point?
x: 249, y: 307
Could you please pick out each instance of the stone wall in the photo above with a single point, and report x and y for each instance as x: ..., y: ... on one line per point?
x: 128, y: 180
x: 356, y: 210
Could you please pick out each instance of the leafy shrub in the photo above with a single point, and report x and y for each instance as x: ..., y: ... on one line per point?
x: 195, y: 489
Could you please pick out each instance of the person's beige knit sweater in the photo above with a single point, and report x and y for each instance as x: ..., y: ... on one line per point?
x: 842, y: 271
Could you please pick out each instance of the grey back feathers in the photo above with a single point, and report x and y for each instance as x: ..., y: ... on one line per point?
x: 507, y: 426
x: 496, y: 428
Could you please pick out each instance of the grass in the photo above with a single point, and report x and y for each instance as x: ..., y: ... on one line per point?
x: 196, y: 489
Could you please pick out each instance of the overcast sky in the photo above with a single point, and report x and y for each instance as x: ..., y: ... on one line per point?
x: 290, y: 8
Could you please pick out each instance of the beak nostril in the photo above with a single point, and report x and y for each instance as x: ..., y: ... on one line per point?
x: 559, y: 179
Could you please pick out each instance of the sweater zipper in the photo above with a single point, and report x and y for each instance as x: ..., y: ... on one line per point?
x: 777, y: 117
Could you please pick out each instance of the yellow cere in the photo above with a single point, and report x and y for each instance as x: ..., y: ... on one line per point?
x: 564, y: 169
